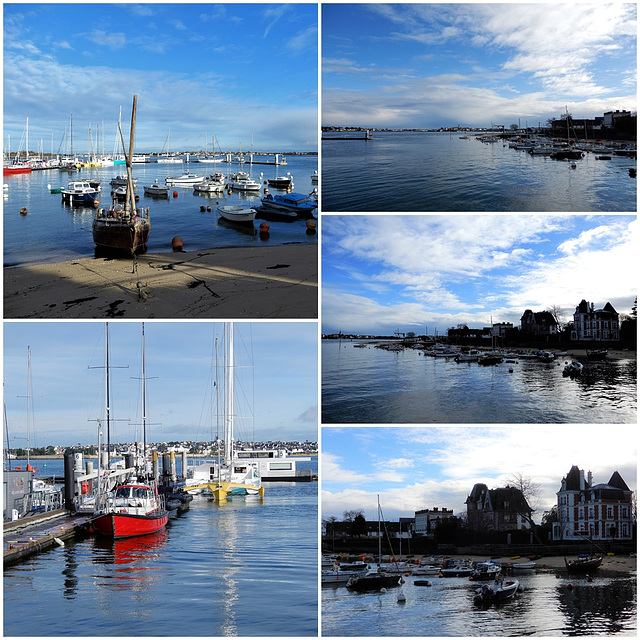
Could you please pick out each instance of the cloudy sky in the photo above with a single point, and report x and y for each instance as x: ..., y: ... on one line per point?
x: 433, y: 65
x: 227, y: 70
x: 381, y: 273
x: 277, y: 378
x: 427, y: 467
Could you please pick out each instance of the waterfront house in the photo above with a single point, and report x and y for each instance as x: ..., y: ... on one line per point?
x: 538, y: 323
x: 503, y: 509
x: 595, y: 324
x: 426, y: 520
x: 593, y: 511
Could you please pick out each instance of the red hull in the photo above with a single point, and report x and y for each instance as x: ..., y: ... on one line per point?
x: 7, y: 171
x: 123, y: 525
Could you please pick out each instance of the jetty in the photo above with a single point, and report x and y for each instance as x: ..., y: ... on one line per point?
x: 364, y: 135
x: 28, y: 536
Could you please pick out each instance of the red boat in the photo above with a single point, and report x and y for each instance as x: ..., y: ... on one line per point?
x: 132, y: 510
x: 16, y: 167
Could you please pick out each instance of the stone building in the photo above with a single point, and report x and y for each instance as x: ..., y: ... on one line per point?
x: 503, y: 509
x: 538, y: 323
x: 426, y: 520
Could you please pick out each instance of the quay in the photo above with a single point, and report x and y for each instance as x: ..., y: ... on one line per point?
x: 28, y: 536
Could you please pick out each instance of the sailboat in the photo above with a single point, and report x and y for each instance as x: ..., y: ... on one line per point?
x: 123, y: 227
x: 168, y: 159
x: 18, y: 165
x: 134, y: 508
x: 230, y: 476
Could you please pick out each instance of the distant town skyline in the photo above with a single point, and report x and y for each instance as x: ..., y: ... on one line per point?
x: 421, y: 65
x: 428, y: 273
x: 199, y: 70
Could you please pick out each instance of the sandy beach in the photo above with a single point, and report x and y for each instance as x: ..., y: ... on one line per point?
x: 247, y: 282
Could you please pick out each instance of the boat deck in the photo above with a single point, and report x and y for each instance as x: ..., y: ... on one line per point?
x: 37, y: 533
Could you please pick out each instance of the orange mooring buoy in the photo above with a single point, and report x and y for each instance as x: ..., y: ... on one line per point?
x: 23, y: 211
x: 176, y: 243
x: 175, y: 194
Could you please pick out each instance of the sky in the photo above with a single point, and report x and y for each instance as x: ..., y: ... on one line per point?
x: 426, y: 467
x: 229, y: 70
x: 439, y: 65
x: 382, y: 273
x: 277, y: 381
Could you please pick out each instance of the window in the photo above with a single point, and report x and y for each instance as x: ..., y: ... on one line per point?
x: 609, y: 513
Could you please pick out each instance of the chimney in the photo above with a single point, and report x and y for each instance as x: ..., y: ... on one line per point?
x: 590, y: 479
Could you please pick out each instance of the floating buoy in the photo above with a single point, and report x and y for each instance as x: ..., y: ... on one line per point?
x: 175, y: 194
x: 570, y: 587
x: 137, y: 198
x: 402, y: 597
x: 96, y: 203
x: 266, y: 191
x: 23, y: 211
x: 202, y: 208
x: 632, y: 173
x: 264, y: 227
x: 176, y: 243
x: 208, y: 208
x: 311, y: 227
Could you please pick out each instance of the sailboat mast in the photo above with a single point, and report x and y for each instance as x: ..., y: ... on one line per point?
x: 228, y: 386
x: 379, y: 535
x: 28, y: 406
x: 107, y: 392
x: 130, y: 193
x: 144, y: 403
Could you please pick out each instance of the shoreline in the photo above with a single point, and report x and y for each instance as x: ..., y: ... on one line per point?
x: 278, y: 281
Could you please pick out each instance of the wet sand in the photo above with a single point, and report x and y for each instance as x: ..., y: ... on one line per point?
x: 247, y: 282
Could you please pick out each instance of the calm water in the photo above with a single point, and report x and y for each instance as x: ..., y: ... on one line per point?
x: 52, y: 231
x: 369, y: 385
x: 439, y: 172
x: 245, y: 568
x: 606, y: 606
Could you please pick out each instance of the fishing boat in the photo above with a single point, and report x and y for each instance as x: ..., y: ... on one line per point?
x: 156, y: 190
x: 16, y: 167
x: 297, y: 203
x: 134, y: 508
x: 487, y: 570
x: 80, y: 193
x: 583, y: 563
x: 373, y: 582
x: 237, y: 213
x: 186, y: 179
x: 230, y: 476
x: 123, y: 227
x: 499, y: 591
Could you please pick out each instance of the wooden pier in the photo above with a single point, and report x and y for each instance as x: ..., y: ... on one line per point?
x: 27, y: 536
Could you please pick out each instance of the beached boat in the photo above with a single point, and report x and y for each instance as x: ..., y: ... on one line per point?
x: 523, y: 566
x: 156, y: 190
x: 497, y: 592
x: 186, y: 179
x: 80, y: 193
x: 237, y: 213
x: 298, y: 203
x: 583, y: 563
x: 123, y: 227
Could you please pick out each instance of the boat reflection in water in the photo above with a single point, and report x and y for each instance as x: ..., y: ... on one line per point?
x: 128, y: 550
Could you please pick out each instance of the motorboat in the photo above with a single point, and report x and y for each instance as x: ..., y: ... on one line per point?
x: 241, y: 181
x: 237, y: 213
x: 212, y: 184
x: 572, y: 369
x: 281, y: 182
x: 340, y: 574
x: 546, y: 356
x: 451, y: 569
x: 298, y: 203
x: 314, y: 177
x: 121, y: 181
x: 80, y: 193
x: 499, y: 591
x: 583, y: 563
x: 427, y: 570
x: 133, y: 509
x: 373, y: 582
x: 523, y: 566
x: 156, y: 190
x: 186, y: 179
x: 490, y: 358
x: 487, y: 570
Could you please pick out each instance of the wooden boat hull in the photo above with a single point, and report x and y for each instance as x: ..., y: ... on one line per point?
x: 583, y: 565
x: 120, y: 235
x: 124, y: 525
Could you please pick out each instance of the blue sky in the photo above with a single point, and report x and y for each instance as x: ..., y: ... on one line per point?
x: 426, y: 467
x: 277, y: 395
x: 227, y: 70
x: 381, y: 273
x: 433, y: 65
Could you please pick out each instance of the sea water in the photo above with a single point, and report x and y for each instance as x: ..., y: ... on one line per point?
x: 53, y: 231
x: 412, y: 171
x: 369, y: 385
x: 547, y: 606
x: 248, y: 567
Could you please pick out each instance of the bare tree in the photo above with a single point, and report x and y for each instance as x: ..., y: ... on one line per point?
x: 531, y: 492
x: 558, y: 314
x: 350, y: 516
